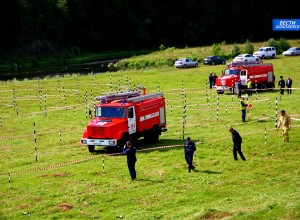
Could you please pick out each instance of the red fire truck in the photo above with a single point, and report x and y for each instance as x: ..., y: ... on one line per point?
x: 261, y: 75
x: 125, y: 116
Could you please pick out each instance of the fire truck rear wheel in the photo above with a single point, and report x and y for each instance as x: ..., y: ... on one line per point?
x: 91, y: 148
x: 263, y: 86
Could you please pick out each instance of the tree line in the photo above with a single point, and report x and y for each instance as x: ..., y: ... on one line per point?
x: 49, y: 26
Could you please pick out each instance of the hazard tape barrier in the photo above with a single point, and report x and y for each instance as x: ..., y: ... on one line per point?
x: 115, y: 154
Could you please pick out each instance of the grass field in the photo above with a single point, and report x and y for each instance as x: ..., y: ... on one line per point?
x: 64, y: 181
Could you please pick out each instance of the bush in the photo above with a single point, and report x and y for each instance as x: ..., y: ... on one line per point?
x: 283, y: 45
x: 249, y: 48
x: 216, y: 49
x: 162, y: 47
x: 272, y: 43
x: 235, y: 50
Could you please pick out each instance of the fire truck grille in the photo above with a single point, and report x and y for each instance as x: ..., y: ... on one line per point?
x: 97, y: 132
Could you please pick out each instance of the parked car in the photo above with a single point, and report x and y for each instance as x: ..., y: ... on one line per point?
x: 245, y: 58
x: 266, y: 52
x: 185, y: 63
x: 213, y: 60
x: 293, y: 51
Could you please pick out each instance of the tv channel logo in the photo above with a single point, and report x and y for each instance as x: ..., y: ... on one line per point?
x: 286, y: 24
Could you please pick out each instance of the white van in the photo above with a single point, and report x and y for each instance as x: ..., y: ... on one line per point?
x: 266, y: 52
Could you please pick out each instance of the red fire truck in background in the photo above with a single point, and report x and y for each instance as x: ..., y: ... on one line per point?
x: 261, y: 75
x: 125, y: 116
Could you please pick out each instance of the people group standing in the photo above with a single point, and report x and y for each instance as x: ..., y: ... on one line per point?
x: 289, y: 83
x: 189, y: 150
x: 285, y: 124
x: 130, y: 151
x: 281, y: 85
x: 237, y: 144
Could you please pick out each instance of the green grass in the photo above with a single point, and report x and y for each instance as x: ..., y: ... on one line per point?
x: 59, y: 186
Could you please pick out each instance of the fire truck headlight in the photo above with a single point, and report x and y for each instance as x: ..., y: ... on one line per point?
x: 83, y: 141
x: 111, y: 142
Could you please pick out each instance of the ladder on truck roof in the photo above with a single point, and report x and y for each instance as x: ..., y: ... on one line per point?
x: 144, y: 97
x: 117, y: 96
x: 250, y: 64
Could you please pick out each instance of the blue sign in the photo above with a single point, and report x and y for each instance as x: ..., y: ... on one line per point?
x: 286, y: 24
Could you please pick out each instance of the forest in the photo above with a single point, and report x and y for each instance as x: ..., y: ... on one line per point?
x: 50, y: 26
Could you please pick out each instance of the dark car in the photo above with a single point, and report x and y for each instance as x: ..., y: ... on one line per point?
x: 213, y: 60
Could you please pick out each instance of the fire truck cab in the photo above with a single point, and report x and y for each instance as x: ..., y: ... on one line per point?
x: 125, y: 116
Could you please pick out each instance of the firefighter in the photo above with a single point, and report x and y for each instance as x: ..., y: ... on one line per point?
x: 243, y: 108
x: 189, y: 150
x: 130, y: 151
x: 237, y: 144
x: 249, y: 87
x: 285, y: 123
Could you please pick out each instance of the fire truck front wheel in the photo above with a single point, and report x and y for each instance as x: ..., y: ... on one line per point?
x: 91, y: 148
x: 123, y: 141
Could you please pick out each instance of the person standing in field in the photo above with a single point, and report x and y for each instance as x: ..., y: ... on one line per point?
x: 239, y: 88
x: 281, y: 85
x: 249, y: 87
x: 285, y: 124
x: 211, y: 80
x: 215, y: 79
x: 243, y: 108
x: 130, y: 151
x: 289, y: 83
x: 189, y: 150
x: 237, y: 144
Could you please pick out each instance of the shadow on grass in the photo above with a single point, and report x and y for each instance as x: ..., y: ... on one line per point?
x: 142, y: 146
x: 210, y: 172
x: 149, y: 180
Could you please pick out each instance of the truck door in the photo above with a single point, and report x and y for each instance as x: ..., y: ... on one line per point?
x: 243, y: 77
x: 131, y: 120
x: 270, y: 77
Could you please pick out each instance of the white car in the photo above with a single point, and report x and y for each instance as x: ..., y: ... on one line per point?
x: 265, y: 52
x: 245, y: 58
x: 293, y: 51
x: 185, y: 63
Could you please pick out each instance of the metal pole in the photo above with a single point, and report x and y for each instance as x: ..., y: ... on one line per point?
x: 34, y: 136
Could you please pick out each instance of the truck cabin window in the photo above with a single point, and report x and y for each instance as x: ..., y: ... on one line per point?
x: 130, y: 113
x: 111, y: 112
x: 231, y: 72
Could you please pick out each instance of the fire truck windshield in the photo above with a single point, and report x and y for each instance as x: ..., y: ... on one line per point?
x: 231, y: 72
x: 110, y: 112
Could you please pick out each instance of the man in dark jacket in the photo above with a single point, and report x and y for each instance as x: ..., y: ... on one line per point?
x: 281, y: 85
x: 289, y: 83
x: 189, y: 150
x: 130, y: 151
x: 237, y: 144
